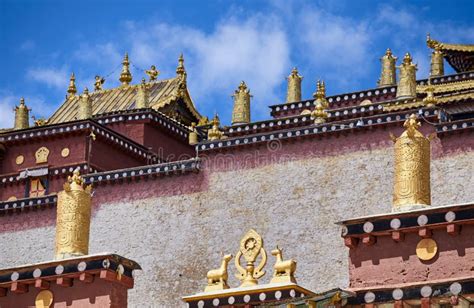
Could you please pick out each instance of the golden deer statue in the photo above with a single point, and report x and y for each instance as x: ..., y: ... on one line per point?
x: 217, y: 278
x: 284, y: 270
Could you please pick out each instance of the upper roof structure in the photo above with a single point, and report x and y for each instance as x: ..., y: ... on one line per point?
x: 459, y: 56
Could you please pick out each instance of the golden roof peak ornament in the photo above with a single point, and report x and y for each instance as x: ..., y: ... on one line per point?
x: 241, y: 110
x: 193, y: 136
x: 142, y: 95
x: 430, y: 100
x: 85, y: 106
x: 407, y: 83
x: 73, y: 218
x: 284, y: 270
x: 125, y: 75
x: 99, y: 81
x: 437, y: 62
x: 22, y: 115
x: 152, y: 73
x: 214, y: 133
x: 388, y: 75
x: 319, y: 113
x: 251, y: 247
x: 180, y: 70
x: 412, y: 167
x: 293, y: 93
x: 71, y: 90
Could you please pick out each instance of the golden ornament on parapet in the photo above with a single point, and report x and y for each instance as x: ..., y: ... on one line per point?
x: 41, y: 155
x: 19, y: 159
x: 251, y: 247
x: 65, y: 152
x: 426, y: 249
x: 44, y: 299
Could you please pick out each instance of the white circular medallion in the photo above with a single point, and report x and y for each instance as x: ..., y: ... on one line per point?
x: 262, y: 296
x: 231, y: 300
x: 15, y: 276
x: 455, y: 288
x: 450, y: 216
x: 201, y: 304
x: 215, y: 302
x: 369, y: 297
x: 395, y: 223
x: 422, y: 220
x: 247, y: 298
x: 426, y: 291
x: 59, y: 270
x: 37, y: 273
x: 397, y: 294
x: 277, y: 294
x: 292, y: 293
x: 82, y: 266
x: 368, y: 227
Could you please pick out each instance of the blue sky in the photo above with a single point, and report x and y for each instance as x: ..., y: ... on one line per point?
x: 223, y: 42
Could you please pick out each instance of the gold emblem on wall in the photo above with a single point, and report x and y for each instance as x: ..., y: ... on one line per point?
x: 41, y: 155
x: 12, y: 198
x: 251, y: 246
x: 44, y: 299
x: 65, y: 152
x: 426, y: 249
x: 19, y: 159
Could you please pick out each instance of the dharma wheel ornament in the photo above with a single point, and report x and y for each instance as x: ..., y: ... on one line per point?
x: 73, y: 218
x: 251, y: 247
x: 412, y: 167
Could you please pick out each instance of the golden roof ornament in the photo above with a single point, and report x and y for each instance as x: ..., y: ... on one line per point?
x: 73, y: 218
x: 388, y: 76
x: 217, y: 278
x: 152, y: 73
x: 180, y: 70
x: 437, y: 63
x: 412, y: 167
x: 241, y: 110
x: 319, y: 113
x: 407, y: 83
x: 251, y: 247
x: 22, y: 115
x: 71, y: 90
x: 142, y: 95
x: 40, y: 121
x: 214, y: 133
x: 85, y: 106
x: 283, y: 270
x: 193, y: 137
x: 430, y: 100
x: 293, y: 93
x: 125, y: 75
x: 99, y: 81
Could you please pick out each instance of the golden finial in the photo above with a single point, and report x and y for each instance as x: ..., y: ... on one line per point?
x: 284, y: 270
x: 217, y: 278
x: 40, y: 121
x: 152, y: 73
x: 430, y: 100
x: 125, y: 75
x: 251, y: 247
x: 412, y: 167
x: 142, y: 95
x: 241, y: 110
x: 407, y: 83
x: 180, y: 70
x: 71, y: 90
x: 193, y: 137
x: 99, y: 81
x: 437, y: 63
x: 388, y: 76
x: 293, y: 93
x: 85, y: 106
x: 73, y: 218
x: 22, y: 115
x: 214, y: 133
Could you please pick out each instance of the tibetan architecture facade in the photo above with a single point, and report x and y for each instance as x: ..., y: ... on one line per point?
x: 173, y: 189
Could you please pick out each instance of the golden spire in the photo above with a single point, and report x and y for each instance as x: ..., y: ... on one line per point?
x: 99, y: 81
x: 142, y: 95
x: 214, y: 133
x: 73, y: 218
x: 430, y: 100
x: 407, y: 83
x: 125, y: 75
x: 193, y: 137
x: 180, y: 70
x: 437, y: 63
x: 71, y: 90
x: 152, y: 73
x: 241, y: 110
x: 293, y: 93
x: 85, y: 106
x: 412, y: 167
x: 319, y: 113
x: 388, y: 76
x: 22, y: 115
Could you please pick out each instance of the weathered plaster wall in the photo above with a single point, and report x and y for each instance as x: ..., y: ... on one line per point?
x: 176, y: 226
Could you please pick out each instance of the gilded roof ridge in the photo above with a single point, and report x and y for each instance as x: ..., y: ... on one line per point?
x: 435, y: 44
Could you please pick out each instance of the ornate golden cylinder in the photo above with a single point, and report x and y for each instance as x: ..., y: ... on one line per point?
x: 73, y: 219
x: 293, y: 93
x: 388, y: 76
x: 22, y: 116
x: 412, y: 167
x: 241, y: 111
x: 437, y: 64
x: 407, y: 83
x: 85, y: 106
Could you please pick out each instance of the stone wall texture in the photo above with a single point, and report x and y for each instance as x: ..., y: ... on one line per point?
x: 176, y: 233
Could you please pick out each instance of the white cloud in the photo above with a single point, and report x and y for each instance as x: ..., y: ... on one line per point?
x: 52, y: 77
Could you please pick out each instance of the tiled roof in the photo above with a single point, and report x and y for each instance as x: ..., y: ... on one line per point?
x: 160, y: 94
